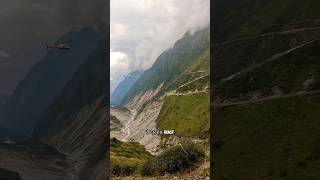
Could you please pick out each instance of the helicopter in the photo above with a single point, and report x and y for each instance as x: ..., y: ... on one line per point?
x: 61, y: 46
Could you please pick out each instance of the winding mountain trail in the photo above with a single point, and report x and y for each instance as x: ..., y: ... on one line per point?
x: 188, y: 93
x: 266, y: 99
x: 264, y: 35
x: 200, y: 71
x: 185, y: 84
x: 274, y: 57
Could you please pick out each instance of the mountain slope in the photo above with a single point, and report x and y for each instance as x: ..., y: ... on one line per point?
x: 127, y: 157
x: 46, y: 80
x: 247, y: 17
x: 119, y: 93
x: 171, y: 63
x: 75, y: 122
x: 187, y: 108
x: 266, y: 90
x: 171, y: 95
x: 188, y: 115
x: 179, y: 76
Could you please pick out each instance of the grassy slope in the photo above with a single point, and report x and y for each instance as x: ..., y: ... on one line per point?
x: 128, y: 154
x: 252, y: 17
x: 278, y: 139
x: 199, y: 85
x: 287, y: 73
x: 247, y: 17
x: 201, y: 63
x: 189, y: 115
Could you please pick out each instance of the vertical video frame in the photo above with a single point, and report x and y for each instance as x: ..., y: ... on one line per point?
x: 160, y: 89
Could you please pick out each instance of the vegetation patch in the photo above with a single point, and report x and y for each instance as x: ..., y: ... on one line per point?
x: 127, y: 158
x: 188, y: 115
x: 268, y: 140
x: 177, y: 159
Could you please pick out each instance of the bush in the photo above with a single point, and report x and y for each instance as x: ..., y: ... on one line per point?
x: 127, y: 158
x: 123, y: 166
x: 179, y: 158
x: 122, y: 170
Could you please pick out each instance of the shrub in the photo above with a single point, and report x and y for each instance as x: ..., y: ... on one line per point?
x: 127, y: 158
x: 123, y: 166
x: 122, y: 170
x: 176, y: 159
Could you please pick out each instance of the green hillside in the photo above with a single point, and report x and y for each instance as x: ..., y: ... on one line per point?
x: 188, y: 112
x: 249, y: 17
x: 188, y: 115
x: 198, y: 85
x: 127, y: 158
x: 189, y: 78
x: 276, y: 139
x: 266, y: 76
x: 291, y: 73
x: 171, y: 63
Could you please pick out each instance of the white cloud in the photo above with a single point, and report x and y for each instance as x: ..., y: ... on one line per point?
x: 142, y: 29
x: 119, y: 65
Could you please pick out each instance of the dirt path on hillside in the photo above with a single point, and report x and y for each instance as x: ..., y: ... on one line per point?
x: 188, y: 93
x: 193, y: 81
x: 274, y: 57
x: 264, y: 35
x: 266, y: 99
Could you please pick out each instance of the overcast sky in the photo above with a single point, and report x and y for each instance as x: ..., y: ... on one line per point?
x: 142, y: 29
x: 25, y: 26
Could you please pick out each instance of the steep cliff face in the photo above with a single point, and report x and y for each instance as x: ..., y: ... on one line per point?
x: 45, y: 81
x: 266, y: 78
x: 75, y: 123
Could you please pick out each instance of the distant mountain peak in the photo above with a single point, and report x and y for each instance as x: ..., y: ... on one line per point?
x: 124, y: 86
